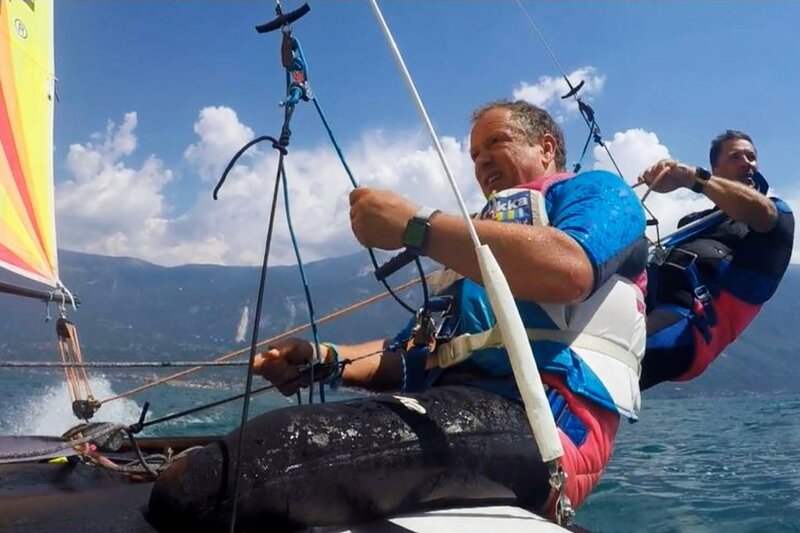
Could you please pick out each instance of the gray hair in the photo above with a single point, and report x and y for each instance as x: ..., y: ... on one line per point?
x: 533, y: 122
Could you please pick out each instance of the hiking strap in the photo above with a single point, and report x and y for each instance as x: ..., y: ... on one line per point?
x: 461, y: 348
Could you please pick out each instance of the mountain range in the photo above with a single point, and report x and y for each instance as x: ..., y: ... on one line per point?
x: 133, y: 310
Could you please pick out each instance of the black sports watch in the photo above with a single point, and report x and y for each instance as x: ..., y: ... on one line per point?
x: 701, y: 177
x: 416, y: 234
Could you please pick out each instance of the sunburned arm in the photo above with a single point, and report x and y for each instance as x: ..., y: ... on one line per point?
x: 381, y: 372
x: 742, y: 203
x: 541, y: 263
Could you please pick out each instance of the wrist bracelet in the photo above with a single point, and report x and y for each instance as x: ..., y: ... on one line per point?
x: 336, y: 377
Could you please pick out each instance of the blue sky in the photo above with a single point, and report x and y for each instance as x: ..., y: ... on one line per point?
x: 156, y: 96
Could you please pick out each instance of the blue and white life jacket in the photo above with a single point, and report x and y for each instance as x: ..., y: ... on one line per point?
x: 596, y: 345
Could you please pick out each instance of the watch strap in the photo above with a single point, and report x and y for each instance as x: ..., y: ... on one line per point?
x: 425, y: 213
x: 701, y: 177
x: 415, y: 236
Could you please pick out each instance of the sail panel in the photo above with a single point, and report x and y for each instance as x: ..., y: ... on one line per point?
x: 11, y: 262
x: 15, y: 237
x: 27, y: 222
x: 15, y: 196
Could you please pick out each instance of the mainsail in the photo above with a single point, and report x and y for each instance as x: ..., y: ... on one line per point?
x: 27, y: 94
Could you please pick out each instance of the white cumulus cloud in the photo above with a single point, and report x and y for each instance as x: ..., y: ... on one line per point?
x: 108, y: 207
x: 221, y: 136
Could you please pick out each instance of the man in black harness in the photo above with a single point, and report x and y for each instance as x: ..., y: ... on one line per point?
x: 711, y: 279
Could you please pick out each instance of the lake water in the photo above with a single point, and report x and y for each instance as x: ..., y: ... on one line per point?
x: 690, y: 465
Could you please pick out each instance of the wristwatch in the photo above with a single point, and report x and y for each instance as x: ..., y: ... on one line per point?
x: 415, y: 236
x: 701, y: 177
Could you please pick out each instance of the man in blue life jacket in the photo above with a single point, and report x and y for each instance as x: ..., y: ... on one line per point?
x: 720, y: 268
x: 573, y: 251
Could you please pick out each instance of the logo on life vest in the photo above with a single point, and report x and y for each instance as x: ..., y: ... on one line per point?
x: 513, y: 207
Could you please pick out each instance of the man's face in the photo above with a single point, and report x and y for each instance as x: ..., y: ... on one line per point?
x: 736, y: 161
x: 502, y: 155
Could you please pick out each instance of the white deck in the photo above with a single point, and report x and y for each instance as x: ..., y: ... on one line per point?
x: 500, y: 519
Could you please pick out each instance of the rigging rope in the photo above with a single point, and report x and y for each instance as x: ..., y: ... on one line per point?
x: 83, y: 403
x: 296, y: 89
x: 264, y: 343
x: 306, y: 289
x: 588, y: 115
x: 340, y: 154
x: 117, y: 364
x: 257, y: 321
x: 334, y: 367
x: 86, y: 440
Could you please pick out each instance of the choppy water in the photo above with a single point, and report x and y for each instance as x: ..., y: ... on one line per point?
x: 690, y: 466
x: 704, y: 465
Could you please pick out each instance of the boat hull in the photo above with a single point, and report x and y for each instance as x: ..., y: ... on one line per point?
x: 41, y: 496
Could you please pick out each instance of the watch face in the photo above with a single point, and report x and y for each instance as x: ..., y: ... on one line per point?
x: 414, y: 235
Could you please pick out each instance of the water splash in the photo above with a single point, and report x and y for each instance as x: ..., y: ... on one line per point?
x: 49, y: 410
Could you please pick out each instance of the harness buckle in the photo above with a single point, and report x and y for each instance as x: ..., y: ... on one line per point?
x: 702, y: 294
x: 426, y: 331
x: 657, y: 256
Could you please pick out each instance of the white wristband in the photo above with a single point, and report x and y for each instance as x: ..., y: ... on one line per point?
x: 321, y: 356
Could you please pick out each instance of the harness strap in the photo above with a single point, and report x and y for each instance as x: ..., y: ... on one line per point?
x: 702, y: 310
x: 461, y: 348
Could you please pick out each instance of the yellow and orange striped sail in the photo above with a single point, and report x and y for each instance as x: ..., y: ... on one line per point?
x: 27, y: 93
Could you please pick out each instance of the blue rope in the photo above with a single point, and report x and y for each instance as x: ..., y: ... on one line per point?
x: 312, y: 318
x: 335, y: 144
x: 296, y: 92
x: 349, y: 172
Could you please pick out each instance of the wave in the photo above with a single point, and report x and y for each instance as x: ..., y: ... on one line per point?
x: 47, y: 410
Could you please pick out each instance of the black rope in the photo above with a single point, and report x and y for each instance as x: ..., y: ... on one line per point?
x: 236, y: 157
x: 577, y: 167
x: 425, y: 294
x: 296, y: 89
x: 139, y: 455
x: 203, y: 407
x: 322, y: 369
x: 256, y: 323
